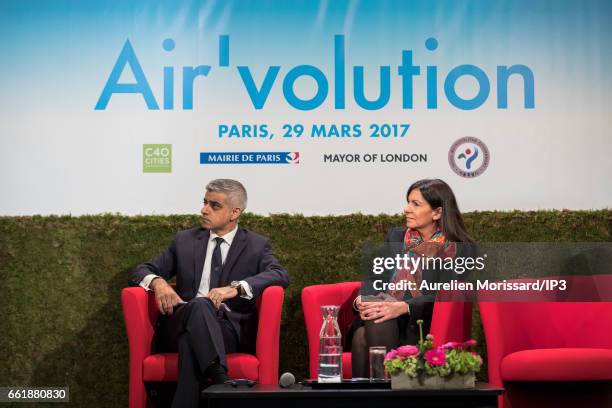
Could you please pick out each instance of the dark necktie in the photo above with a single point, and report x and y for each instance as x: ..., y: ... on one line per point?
x: 216, y: 265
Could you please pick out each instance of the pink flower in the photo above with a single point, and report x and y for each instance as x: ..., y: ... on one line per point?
x: 451, y: 345
x: 391, y: 355
x: 407, y: 351
x: 435, y: 357
x: 470, y: 343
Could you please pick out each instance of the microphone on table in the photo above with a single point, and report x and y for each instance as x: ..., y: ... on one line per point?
x: 286, y: 380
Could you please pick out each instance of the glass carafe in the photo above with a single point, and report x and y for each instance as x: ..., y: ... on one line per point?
x: 330, y: 347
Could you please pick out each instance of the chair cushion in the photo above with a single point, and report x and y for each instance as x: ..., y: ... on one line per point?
x: 164, y: 366
x: 242, y: 365
x: 160, y: 367
x: 558, y: 364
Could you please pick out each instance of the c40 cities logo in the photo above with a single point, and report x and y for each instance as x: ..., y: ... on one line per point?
x: 157, y: 158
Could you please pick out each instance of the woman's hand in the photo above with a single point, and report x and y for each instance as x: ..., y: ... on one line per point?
x: 381, y: 311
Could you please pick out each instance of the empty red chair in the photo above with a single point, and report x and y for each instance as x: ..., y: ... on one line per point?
x: 452, y: 321
x: 539, y: 350
x: 140, y: 313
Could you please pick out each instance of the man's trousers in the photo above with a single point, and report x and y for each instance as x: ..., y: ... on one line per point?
x: 201, y: 335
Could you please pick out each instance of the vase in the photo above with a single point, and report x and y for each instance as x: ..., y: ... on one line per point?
x: 422, y: 382
x: 330, y: 346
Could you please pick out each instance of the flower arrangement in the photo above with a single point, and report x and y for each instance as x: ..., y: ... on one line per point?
x: 425, y: 360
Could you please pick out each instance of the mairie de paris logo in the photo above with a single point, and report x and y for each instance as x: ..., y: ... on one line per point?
x: 469, y: 157
x: 293, y: 158
x: 250, y: 158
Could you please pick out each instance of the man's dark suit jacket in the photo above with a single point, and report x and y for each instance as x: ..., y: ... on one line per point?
x: 249, y: 258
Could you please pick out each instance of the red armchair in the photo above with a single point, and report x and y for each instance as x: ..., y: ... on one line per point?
x: 452, y: 321
x: 140, y: 313
x: 537, y: 350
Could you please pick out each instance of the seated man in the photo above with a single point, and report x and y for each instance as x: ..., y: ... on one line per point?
x: 220, y: 270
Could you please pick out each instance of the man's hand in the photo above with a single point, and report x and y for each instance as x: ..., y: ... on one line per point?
x: 165, y: 297
x: 382, y: 311
x: 218, y: 295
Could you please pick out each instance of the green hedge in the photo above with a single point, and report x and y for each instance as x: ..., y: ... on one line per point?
x: 61, y: 280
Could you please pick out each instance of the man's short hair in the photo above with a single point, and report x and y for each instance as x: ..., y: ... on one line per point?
x: 236, y: 193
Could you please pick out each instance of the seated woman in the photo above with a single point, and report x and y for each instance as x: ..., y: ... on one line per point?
x: 433, y: 227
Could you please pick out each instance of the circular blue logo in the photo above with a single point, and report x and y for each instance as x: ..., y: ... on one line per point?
x: 469, y: 157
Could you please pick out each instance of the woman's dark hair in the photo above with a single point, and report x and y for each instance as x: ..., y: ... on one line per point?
x: 438, y: 194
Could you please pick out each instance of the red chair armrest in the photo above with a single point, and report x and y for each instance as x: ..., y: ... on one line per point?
x: 140, y: 315
x: 503, y: 336
x: 451, y: 321
x: 268, y: 333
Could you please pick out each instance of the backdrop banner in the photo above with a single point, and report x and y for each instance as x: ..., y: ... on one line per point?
x: 318, y: 107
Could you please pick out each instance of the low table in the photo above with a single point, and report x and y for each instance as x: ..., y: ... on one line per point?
x: 298, y: 396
